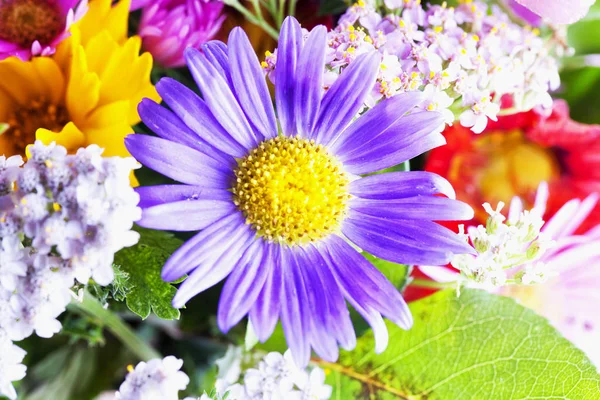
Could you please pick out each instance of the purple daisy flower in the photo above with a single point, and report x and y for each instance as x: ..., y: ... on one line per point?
x: 35, y: 27
x: 279, y: 198
x: 168, y: 27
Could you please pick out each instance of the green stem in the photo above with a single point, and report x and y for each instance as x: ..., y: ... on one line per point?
x: 92, y: 307
x: 292, y: 7
x: 280, y: 13
x: 425, y: 283
x: 254, y: 19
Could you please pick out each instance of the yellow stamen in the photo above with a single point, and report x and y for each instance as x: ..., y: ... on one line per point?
x: 291, y: 191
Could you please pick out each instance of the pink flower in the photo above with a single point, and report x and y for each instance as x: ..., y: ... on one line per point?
x: 35, y: 27
x: 168, y: 27
x: 569, y: 300
x: 558, y: 11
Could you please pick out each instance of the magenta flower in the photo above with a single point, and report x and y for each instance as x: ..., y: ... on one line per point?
x: 168, y: 27
x: 558, y: 11
x: 35, y: 27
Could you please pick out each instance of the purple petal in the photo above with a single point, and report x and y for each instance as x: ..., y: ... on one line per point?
x: 364, y: 283
x: 179, y: 162
x: 419, y: 207
x: 215, y: 269
x: 168, y: 126
x: 375, y: 321
x: 400, y: 185
x: 375, y: 121
x: 330, y: 316
x: 525, y: 14
x: 404, y: 242
x: 187, y: 215
x: 292, y: 313
x: 409, y: 137
x: 265, y: 312
x: 250, y: 84
x: 220, y: 99
x: 309, y: 82
x: 558, y: 11
x: 160, y: 194
x: 216, y: 53
x: 288, y: 53
x: 244, y: 285
x: 346, y: 97
x: 195, y: 114
x: 313, y: 304
x: 339, y: 321
x: 209, y: 243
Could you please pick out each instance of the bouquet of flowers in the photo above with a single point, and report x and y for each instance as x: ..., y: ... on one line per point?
x: 217, y: 199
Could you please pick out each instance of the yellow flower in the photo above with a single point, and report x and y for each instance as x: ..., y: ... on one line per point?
x: 87, y: 94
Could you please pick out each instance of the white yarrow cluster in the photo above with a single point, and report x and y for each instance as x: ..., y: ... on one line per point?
x: 154, y: 380
x: 62, y: 218
x: 274, y: 377
x: 507, y: 252
x: 464, y: 58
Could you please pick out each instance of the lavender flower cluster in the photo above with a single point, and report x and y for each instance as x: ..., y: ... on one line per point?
x: 465, y: 59
x: 62, y: 218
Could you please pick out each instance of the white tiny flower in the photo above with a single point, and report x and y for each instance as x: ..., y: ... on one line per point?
x: 504, y: 246
x: 229, y: 369
x: 155, y: 380
x: 11, y: 368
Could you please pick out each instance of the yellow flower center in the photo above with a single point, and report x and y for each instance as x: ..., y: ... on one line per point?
x: 25, y: 121
x: 24, y: 21
x: 291, y: 190
x: 502, y: 165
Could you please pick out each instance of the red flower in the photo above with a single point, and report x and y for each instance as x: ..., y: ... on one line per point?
x: 512, y: 156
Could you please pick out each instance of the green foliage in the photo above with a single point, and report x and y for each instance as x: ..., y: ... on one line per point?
x: 82, y: 328
x: 398, y: 274
x: 334, y: 7
x: 580, y: 35
x: 117, y: 289
x: 580, y: 81
x: 477, y: 346
x: 145, y: 290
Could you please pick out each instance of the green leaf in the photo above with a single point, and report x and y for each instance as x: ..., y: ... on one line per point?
x: 583, y: 35
x: 117, y: 289
x: 333, y: 7
x: 82, y: 328
x: 145, y: 290
x: 398, y: 274
x: 477, y: 346
x: 580, y: 90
